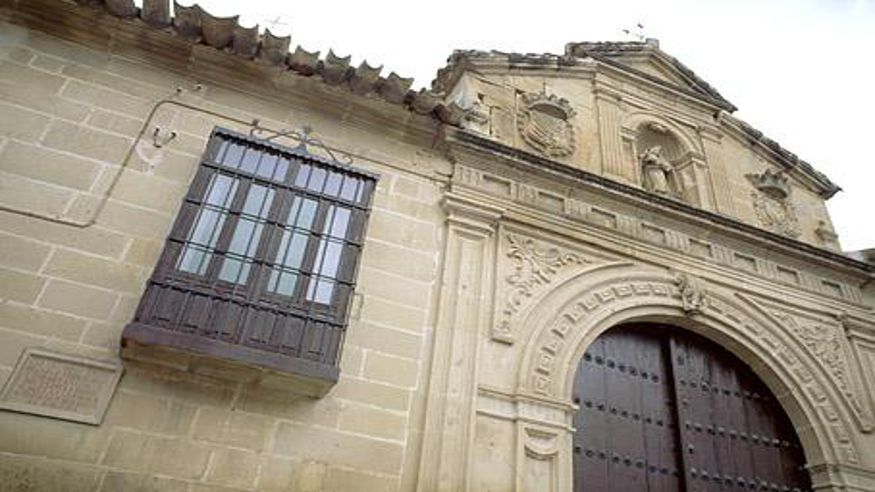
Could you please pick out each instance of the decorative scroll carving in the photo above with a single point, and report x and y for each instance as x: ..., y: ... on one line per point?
x: 543, y: 123
x: 533, y: 267
x: 825, y: 344
x: 694, y: 294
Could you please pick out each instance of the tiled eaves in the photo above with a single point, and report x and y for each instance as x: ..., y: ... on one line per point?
x: 198, y: 27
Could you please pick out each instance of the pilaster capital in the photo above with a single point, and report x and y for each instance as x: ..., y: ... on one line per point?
x: 469, y: 213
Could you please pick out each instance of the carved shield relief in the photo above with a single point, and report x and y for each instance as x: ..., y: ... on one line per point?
x: 543, y: 123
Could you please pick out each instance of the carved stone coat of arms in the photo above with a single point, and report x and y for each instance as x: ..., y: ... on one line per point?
x: 543, y: 123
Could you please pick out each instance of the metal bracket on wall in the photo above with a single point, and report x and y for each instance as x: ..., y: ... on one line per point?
x: 304, y: 136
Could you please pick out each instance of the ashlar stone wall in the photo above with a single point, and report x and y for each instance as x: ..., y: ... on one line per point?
x: 88, y: 196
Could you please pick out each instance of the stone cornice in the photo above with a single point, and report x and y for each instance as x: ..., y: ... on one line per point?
x: 649, y: 201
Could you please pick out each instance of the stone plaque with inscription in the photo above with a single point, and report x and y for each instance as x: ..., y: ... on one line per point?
x: 62, y: 386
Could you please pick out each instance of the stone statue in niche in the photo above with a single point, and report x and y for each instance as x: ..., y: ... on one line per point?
x: 657, y: 172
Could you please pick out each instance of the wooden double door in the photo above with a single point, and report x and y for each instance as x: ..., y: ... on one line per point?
x: 663, y: 409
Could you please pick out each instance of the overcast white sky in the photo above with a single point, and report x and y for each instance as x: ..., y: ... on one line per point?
x: 802, y: 71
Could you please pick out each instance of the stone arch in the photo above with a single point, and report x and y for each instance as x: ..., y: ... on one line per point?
x: 565, y: 322
x: 632, y: 122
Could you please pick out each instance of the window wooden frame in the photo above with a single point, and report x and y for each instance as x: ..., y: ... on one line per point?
x: 247, y: 318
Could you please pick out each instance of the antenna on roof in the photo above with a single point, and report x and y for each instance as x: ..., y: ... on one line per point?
x: 637, y: 32
x: 275, y: 23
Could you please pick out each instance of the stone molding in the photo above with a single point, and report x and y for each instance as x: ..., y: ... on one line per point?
x: 577, y: 311
x: 653, y: 234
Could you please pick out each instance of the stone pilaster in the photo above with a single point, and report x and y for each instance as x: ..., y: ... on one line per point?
x: 719, y: 182
x: 611, y: 145
x: 463, y: 312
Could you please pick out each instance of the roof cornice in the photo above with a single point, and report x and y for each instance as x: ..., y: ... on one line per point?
x: 645, y: 199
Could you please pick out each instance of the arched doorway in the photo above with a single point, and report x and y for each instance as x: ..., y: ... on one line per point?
x: 663, y: 409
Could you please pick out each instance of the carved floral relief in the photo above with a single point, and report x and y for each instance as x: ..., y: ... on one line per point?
x: 825, y: 344
x: 534, y: 266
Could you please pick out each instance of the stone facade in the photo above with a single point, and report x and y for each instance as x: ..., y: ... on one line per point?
x: 503, y: 240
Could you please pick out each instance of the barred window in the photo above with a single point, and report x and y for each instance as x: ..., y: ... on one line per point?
x: 263, y: 254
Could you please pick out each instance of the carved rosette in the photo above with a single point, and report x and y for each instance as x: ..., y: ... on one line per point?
x: 534, y: 267
x: 543, y: 122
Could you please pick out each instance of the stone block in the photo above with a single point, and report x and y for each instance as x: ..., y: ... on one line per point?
x: 72, y: 52
x: 150, y: 413
x: 323, y: 411
x: 304, y: 442
x: 170, y: 383
x: 283, y: 475
x: 36, y: 81
x: 35, y: 197
x: 135, y: 221
x: 21, y: 124
x: 120, y: 481
x: 387, y: 340
x: 48, y: 63
x: 115, y: 123
x: 165, y: 163
x: 92, y: 270
x: 171, y: 456
x: 407, y: 318
x: 373, y: 422
x: 87, y: 142
x: 149, y: 191
x: 47, y: 165
x: 39, y: 436
x: 95, y: 240
x: 102, y: 334
x: 371, y: 393
x: 100, y: 97
x: 21, y: 253
x: 338, y: 479
x: 392, y: 370
x: 394, y: 288
x: 37, y: 321
x: 351, y: 360
x: 144, y: 252
x: 22, y: 95
x: 14, y: 343
x: 229, y: 428
x: 410, y: 233
x: 110, y: 82
x: 400, y: 260
x: 233, y: 468
x: 19, y: 286
x: 78, y: 299
x: 18, y: 473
